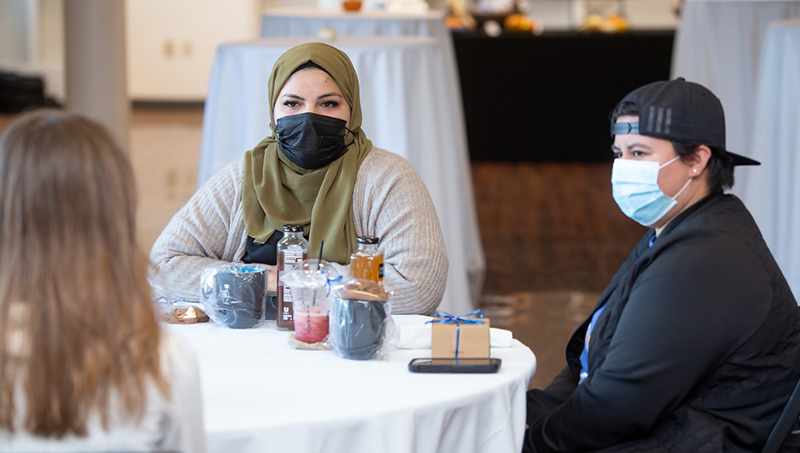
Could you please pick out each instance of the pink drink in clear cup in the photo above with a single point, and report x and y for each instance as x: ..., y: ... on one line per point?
x: 311, y: 295
x: 311, y: 325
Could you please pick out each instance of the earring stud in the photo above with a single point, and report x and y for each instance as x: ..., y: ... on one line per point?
x: 694, y: 170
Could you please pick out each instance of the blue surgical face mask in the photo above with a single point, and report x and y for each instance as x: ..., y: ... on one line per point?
x: 635, y: 188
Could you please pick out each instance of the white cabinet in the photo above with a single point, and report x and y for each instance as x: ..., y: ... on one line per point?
x: 171, y: 44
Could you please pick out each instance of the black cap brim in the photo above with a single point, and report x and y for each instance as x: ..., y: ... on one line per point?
x: 738, y: 159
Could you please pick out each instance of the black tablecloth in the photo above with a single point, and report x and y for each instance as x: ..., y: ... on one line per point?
x: 548, y: 97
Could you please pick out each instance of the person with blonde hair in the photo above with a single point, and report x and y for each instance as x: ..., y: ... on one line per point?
x: 84, y: 363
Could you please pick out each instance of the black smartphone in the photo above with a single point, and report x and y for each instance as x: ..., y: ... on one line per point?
x: 487, y: 365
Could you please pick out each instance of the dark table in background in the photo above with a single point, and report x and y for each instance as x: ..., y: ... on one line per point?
x: 548, y: 97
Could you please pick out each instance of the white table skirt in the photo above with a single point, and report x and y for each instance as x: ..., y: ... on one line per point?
x: 409, y: 109
x: 718, y: 45
x: 773, y: 191
x: 261, y: 395
x: 280, y: 22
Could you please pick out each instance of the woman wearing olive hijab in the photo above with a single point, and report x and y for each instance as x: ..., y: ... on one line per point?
x: 317, y: 169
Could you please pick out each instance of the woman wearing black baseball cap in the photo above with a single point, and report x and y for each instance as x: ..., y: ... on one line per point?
x: 695, y: 344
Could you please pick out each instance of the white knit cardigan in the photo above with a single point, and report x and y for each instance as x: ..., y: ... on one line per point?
x: 389, y: 201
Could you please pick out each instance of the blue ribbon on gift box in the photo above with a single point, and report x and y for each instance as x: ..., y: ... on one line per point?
x: 446, y: 318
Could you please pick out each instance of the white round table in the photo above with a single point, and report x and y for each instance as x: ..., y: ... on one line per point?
x: 718, y: 45
x: 772, y: 192
x: 408, y: 108
x: 307, y: 21
x: 261, y: 395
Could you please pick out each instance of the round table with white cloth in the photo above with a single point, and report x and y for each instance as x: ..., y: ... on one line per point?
x: 772, y: 192
x: 261, y: 395
x: 718, y: 45
x: 277, y: 22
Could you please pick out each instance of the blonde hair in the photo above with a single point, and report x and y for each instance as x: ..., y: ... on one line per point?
x: 77, y: 324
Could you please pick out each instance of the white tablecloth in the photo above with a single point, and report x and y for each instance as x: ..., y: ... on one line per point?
x: 260, y: 395
x: 773, y: 190
x: 408, y: 108
x: 277, y: 22
x: 718, y: 45
x: 307, y: 21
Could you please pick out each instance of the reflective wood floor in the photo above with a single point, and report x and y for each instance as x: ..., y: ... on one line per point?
x: 551, y: 232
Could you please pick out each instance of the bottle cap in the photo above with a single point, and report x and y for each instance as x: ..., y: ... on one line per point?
x: 368, y: 240
x: 293, y: 228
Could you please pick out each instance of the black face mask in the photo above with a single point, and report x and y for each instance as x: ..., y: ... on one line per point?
x: 311, y: 141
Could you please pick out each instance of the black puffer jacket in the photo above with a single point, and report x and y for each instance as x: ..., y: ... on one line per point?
x: 697, y: 350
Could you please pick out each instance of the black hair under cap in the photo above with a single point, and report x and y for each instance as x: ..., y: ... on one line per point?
x: 678, y: 111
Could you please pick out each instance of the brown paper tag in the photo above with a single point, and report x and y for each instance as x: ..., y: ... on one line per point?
x: 472, y: 340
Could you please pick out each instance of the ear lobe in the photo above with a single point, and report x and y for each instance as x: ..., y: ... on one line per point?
x: 700, y: 158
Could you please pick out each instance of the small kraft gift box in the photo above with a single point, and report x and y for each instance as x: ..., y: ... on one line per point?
x: 460, y: 337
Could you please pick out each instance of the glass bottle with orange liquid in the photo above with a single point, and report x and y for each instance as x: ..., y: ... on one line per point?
x: 367, y: 262
x: 292, y: 251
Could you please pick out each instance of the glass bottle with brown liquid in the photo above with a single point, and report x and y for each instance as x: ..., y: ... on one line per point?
x: 292, y: 251
x: 367, y: 261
